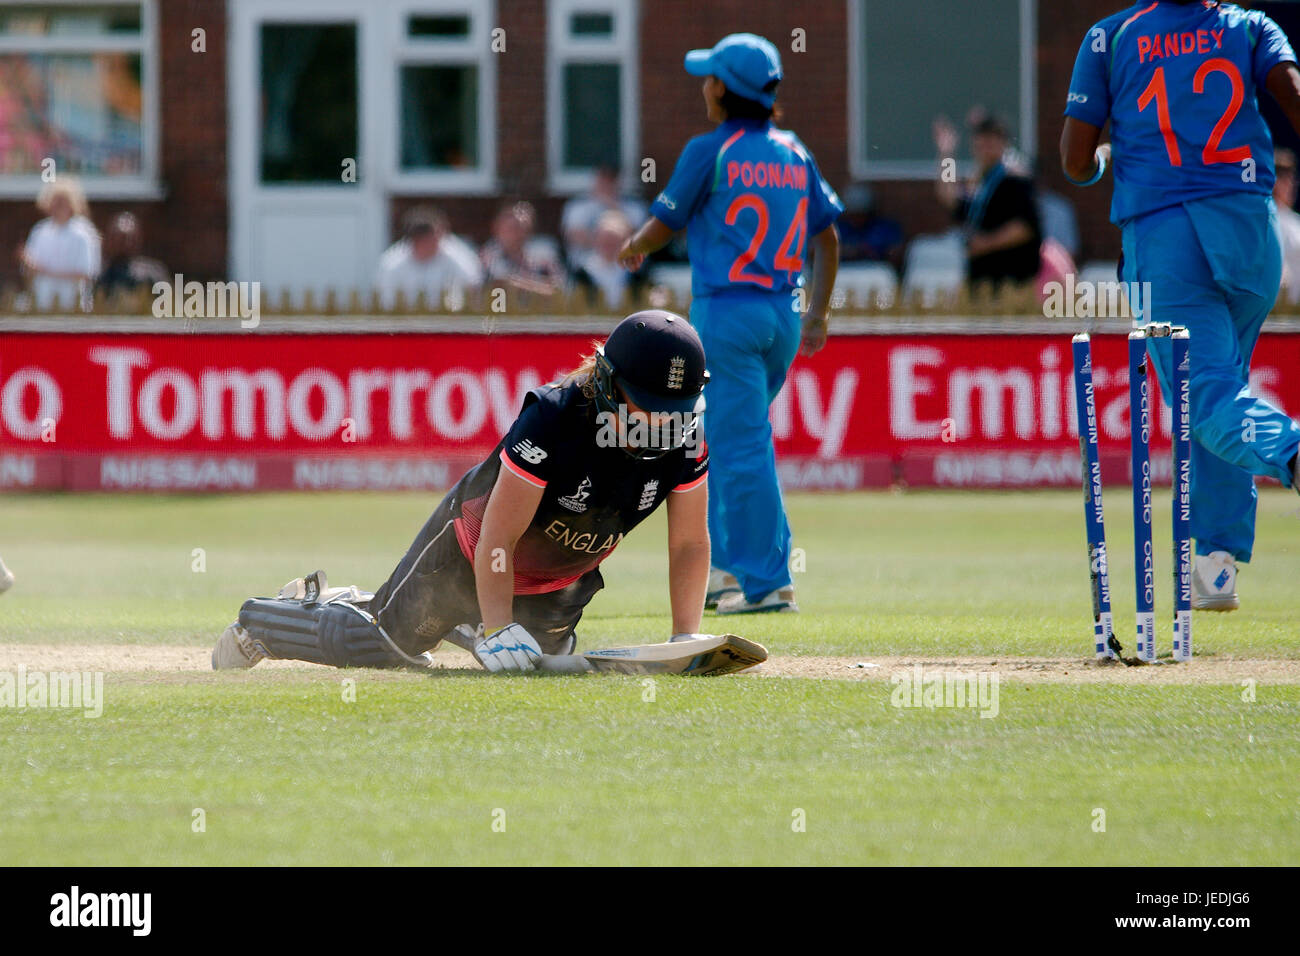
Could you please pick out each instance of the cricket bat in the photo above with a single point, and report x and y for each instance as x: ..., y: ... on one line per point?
x: 713, y: 655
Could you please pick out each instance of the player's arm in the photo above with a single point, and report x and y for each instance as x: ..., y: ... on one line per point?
x: 688, y: 556
x: 651, y: 237
x: 510, y: 509
x: 826, y: 265
x: 1284, y: 85
x: 672, y: 208
x: 1082, y: 159
x: 1088, y: 108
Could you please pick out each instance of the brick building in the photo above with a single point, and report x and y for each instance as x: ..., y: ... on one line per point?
x: 228, y: 126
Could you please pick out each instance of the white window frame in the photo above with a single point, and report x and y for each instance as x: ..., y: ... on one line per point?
x: 562, y: 49
x: 860, y: 165
x: 472, y: 50
x: 145, y: 185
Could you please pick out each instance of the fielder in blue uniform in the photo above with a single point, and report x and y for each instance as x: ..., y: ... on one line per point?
x: 752, y: 201
x: 1193, y: 167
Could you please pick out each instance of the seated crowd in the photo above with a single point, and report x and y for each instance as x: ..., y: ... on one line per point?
x: 1006, y: 232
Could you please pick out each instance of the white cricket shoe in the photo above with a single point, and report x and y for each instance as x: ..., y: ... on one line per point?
x: 721, y: 584
x: 781, y: 599
x: 6, y: 578
x: 235, y: 650
x: 1214, y: 582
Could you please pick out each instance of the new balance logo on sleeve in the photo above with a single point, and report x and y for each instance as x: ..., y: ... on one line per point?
x: 529, y: 452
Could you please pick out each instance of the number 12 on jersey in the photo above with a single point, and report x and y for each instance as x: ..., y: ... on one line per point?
x: 1157, y: 90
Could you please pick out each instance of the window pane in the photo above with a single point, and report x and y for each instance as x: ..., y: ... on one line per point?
x: 437, y: 26
x: 309, y: 101
x: 593, y: 121
x: 82, y: 110
x: 439, y: 117
x: 592, y: 24
x: 81, y: 20
x: 909, y: 78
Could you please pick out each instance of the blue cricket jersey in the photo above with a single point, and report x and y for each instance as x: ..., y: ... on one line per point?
x: 749, y: 195
x: 1179, y: 84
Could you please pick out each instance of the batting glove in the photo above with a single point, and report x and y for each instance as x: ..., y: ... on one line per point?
x: 509, y: 648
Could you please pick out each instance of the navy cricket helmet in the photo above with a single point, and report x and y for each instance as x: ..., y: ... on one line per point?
x: 654, y: 360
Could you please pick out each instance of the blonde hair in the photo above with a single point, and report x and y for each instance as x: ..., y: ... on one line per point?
x: 585, y: 372
x: 68, y: 188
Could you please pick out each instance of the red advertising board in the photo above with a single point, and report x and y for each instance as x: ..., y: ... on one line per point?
x: 257, y: 411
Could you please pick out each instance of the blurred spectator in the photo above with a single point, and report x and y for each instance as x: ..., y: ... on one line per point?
x: 582, y: 213
x: 998, y: 210
x: 865, y: 236
x: 517, y: 258
x: 125, y: 270
x: 63, y: 250
x: 1014, y: 160
x: 1056, y: 214
x: 1288, y: 221
x: 598, y: 271
x: 428, y: 259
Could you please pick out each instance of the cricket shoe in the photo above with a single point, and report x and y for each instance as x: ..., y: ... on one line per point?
x: 6, y: 578
x: 235, y: 650
x: 1214, y: 582
x: 721, y: 584
x: 781, y: 599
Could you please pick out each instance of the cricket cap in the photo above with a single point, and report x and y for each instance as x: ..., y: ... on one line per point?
x: 657, y: 359
x: 745, y: 62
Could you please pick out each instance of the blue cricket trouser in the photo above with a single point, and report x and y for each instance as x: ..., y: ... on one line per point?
x: 750, y: 339
x: 1214, y: 266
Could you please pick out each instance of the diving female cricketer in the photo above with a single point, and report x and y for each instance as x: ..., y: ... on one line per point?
x: 749, y: 195
x: 513, y: 552
x: 1193, y: 165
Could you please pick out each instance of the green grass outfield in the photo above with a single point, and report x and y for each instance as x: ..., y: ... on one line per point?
x: 586, y: 769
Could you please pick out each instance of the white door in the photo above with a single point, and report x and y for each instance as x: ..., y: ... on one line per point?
x: 300, y: 76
